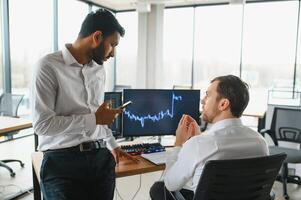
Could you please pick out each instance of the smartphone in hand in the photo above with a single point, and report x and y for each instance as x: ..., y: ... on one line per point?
x: 125, y: 105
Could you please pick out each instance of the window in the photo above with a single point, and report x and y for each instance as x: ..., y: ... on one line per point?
x: 71, y: 15
x: 30, y: 39
x: 217, y: 43
x: 1, y: 65
x: 177, y: 48
x: 269, y: 47
x: 126, y: 52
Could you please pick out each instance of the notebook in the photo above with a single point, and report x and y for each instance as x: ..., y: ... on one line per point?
x: 156, y: 158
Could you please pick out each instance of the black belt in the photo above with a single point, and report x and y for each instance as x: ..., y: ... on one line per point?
x: 83, y: 147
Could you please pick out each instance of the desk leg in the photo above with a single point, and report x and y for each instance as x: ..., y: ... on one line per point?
x: 36, y: 186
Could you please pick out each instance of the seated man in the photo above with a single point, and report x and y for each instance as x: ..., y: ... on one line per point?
x: 225, y: 101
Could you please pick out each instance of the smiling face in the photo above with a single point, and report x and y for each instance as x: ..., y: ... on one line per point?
x: 210, y: 103
x: 106, y: 48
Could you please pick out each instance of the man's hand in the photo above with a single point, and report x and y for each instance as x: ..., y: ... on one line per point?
x: 187, y: 128
x: 118, y: 153
x: 105, y: 116
x: 193, y: 127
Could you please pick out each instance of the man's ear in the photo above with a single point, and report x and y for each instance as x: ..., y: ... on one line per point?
x: 97, y: 37
x: 224, y: 104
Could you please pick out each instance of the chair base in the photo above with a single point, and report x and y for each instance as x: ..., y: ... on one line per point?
x: 289, y: 179
x: 11, y: 171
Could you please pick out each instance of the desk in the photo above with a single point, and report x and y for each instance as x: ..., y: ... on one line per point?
x: 257, y: 112
x: 9, y: 124
x: 124, y: 168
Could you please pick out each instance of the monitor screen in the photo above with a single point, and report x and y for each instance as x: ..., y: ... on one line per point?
x: 157, y: 112
x: 115, y: 99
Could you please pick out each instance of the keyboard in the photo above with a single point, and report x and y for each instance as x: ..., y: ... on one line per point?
x: 143, y: 148
x: 156, y: 158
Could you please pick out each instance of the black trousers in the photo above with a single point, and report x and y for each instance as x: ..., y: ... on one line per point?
x: 159, y: 192
x: 75, y: 175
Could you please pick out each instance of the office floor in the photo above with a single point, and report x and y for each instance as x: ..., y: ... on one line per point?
x: 126, y: 187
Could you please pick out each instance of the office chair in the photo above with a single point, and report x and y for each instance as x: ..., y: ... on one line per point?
x: 237, y: 179
x: 9, y: 104
x: 286, y: 126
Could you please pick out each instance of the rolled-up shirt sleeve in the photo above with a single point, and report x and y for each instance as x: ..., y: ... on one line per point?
x: 110, y: 140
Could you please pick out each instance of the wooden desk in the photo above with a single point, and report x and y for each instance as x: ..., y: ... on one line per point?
x: 257, y: 111
x: 9, y: 124
x: 124, y: 168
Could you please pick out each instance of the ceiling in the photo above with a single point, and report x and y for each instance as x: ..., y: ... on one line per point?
x: 119, y: 5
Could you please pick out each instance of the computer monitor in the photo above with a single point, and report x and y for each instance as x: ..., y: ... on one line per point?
x: 157, y: 112
x: 116, y: 100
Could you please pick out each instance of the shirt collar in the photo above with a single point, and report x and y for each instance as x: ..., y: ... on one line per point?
x: 70, y: 60
x: 68, y: 57
x: 225, y: 123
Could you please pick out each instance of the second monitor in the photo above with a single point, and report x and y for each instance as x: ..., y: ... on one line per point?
x: 157, y: 112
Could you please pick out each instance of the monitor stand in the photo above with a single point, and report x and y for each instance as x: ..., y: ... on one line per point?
x: 159, y: 139
x: 129, y: 138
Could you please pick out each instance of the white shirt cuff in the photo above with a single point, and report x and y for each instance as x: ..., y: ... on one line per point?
x: 111, y: 143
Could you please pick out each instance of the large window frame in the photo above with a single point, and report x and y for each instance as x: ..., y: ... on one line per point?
x: 5, y: 54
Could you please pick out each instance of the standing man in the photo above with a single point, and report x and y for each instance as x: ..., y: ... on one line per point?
x: 225, y: 100
x: 70, y: 117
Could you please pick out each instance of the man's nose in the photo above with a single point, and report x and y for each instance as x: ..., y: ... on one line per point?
x: 203, y: 101
x: 112, y: 54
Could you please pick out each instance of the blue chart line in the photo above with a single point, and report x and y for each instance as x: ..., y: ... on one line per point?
x: 161, y: 115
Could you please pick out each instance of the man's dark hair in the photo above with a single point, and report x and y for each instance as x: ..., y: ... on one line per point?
x: 100, y: 20
x: 235, y: 90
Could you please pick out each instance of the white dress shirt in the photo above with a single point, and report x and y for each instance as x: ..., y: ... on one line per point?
x: 65, y: 97
x: 226, y: 139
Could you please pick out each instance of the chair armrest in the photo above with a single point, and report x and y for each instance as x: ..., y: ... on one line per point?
x: 176, y: 195
x: 271, y: 133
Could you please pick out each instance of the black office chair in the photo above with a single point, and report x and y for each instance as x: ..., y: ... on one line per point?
x: 286, y: 126
x: 9, y: 104
x: 237, y: 179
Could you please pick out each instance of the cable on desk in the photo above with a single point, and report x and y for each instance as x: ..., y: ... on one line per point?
x: 138, y: 187
x: 118, y: 194
x: 160, y: 179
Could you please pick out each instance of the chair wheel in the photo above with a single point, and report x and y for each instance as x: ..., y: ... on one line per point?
x: 12, y: 174
x: 22, y: 164
x: 286, y: 197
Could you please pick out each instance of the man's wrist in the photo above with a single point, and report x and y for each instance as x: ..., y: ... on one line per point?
x: 178, y: 144
x: 97, y: 119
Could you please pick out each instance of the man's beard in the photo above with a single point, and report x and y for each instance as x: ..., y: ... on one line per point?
x: 98, y: 54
